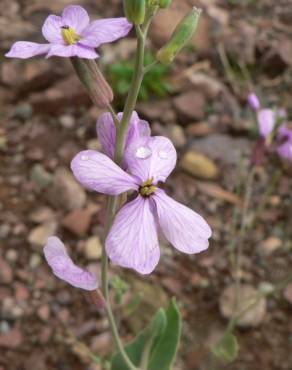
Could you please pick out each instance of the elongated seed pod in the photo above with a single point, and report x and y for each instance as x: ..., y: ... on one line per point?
x: 181, y: 35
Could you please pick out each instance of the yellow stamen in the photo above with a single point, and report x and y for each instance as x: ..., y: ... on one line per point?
x: 146, y: 188
x: 69, y: 35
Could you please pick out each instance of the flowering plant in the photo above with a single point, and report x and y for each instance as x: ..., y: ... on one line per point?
x: 132, y: 161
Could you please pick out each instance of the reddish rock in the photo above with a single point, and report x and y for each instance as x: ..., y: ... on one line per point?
x: 190, y: 106
x: 78, y: 221
x: 43, y: 312
x: 6, y: 274
x: 21, y: 292
x: 12, y: 339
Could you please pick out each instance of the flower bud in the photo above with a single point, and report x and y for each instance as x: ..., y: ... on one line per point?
x: 181, y: 35
x: 135, y: 11
x: 93, y: 80
x: 164, y: 3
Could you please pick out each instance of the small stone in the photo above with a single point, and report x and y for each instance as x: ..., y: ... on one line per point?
x: 5, y: 230
x: 21, y: 292
x: 78, y: 221
x: 93, y: 144
x: 35, y: 260
x: 11, y: 339
x: 43, y: 313
x: 199, y: 165
x: 102, y: 344
x: 6, y: 273
x: 288, y: 293
x: 10, y: 309
x: 177, y: 135
x: 23, y: 112
x: 39, y: 235
x: 67, y: 121
x: 4, y: 327
x: 190, y: 106
x: 42, y: 214
x: 11, y: 255
x: 65, y: 191
x: 93, y: 248
x: 40, y: 176
x: 270, y: 245
x: 246, y: 297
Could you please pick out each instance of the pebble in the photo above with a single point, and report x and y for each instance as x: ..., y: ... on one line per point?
x: 190, y: 106
x: 78, y: 221
x: 65, y: 192
x: 35, y: 260
x: 93, y: 248
x: 254, y: 316
x: 270, y: 245
x: 40, y: 176
x: 288, y: 293
x: 12, y: 339
x: 67, y: 121
x: 11, y: 255
x: 6, y: 273
x: 42, y: 214
x: 198, y: 165
x: 43, y: 312
x: 39, y: 235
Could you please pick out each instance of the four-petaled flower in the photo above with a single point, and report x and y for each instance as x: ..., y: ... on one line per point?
x: 64, y: 268
x: 132, y: 241
x: 72, y: 35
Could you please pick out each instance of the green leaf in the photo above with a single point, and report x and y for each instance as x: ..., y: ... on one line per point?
x: 136, y: 347
x: 165, y: 346
x: 227, y: 348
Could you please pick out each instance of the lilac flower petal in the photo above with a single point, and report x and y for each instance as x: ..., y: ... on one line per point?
x: 105, y: 30
x: 253, y: 101
x: 285, y: 148
x: 151, y: 157
x: 186, y: 230
x: 266, y: 120
x: 98, y: 172
x: 132, y: 241
x: 106, y: 132
x: 25, y: 49
x: 52, y: 29
x: 76, y: 17
x: 69, y: 51
x: 64, y: 268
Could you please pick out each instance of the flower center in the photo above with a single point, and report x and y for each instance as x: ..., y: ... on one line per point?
x: 69, y: 35
x: 147, y: 188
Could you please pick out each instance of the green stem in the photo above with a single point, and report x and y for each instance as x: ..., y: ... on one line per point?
x: 122, y: 129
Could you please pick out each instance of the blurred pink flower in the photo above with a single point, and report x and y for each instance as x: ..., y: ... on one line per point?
x: 106, y: 132
x: 253, y: 101
x: 284, y: 148
x: 64, y: 268
x: 72, y: 35
x: 133, y: 241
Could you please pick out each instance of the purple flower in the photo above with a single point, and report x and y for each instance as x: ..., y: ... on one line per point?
x: 64, y: 268
x: 253, y: 101
x: 133, y: 241
x: 266, y: 121
x: 284, y: 149
x: 106, y: 132
x: 72, y: 35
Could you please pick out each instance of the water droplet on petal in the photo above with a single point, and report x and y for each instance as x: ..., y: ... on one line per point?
x: 163, y: 154
x: 84, y: 157
x: 143, y: 152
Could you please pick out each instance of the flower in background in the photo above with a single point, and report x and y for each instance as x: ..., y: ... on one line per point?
x: 274, y: 133
x: 133, y: 241
x: 106, y: 132
x: 64, y: 268
x: 72, y: 35
x: 284, y: 147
